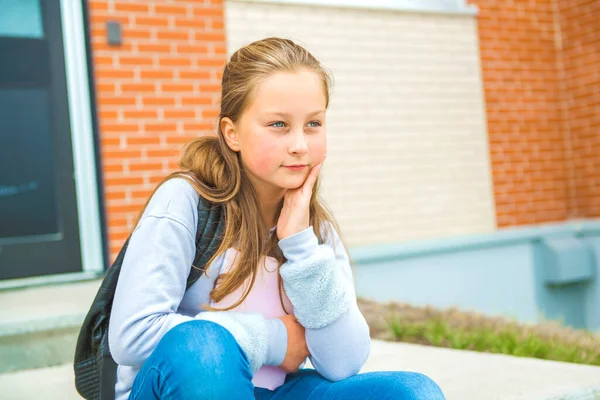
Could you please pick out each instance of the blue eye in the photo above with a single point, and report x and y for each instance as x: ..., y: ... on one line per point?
x: 278, y: 124
x: 317, y: 124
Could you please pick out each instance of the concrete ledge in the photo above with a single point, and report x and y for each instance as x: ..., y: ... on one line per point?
x: 38, y: 349
x: 40, y: 326
x: 500, y: 238
x: 462, y: 375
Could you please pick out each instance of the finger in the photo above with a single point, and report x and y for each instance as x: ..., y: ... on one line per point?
x: 312, y: 177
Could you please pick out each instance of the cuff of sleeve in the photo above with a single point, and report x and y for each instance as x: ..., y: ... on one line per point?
x: 277, y: 342
x: 317, y: 288
x: 299, y: 246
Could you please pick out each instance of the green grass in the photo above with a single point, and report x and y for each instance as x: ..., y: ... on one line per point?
x: 509, y: 338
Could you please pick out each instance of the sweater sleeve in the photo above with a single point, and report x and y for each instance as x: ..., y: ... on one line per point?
x: 153, y: 280
x: 318, y: 281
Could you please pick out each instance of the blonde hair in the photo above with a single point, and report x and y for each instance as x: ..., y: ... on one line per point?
x: 217, y: 174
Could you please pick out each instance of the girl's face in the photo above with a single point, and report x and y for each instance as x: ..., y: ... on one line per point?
x: 283, y: 126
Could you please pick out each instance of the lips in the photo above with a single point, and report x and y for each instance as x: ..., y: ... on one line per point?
x: 296, y: 167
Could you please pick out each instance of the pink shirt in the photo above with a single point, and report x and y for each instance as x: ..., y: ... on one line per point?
x: 264, y: 299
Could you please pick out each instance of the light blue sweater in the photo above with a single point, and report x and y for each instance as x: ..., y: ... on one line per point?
x: 150, y: 297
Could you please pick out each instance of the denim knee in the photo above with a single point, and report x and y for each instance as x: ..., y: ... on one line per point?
x: 416, y: 386
x: 204, y: 357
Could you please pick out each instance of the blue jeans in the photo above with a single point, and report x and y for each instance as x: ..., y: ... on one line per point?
x: 201, y: 360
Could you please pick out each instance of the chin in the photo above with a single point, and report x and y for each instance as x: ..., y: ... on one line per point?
x: 290, y: 183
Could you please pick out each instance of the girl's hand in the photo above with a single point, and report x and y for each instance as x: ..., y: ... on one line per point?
x: 295, y: 216
x: 297, y: 351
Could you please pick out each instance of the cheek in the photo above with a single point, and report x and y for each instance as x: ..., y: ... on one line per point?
x: 262, y: 158
x: 318, y: 148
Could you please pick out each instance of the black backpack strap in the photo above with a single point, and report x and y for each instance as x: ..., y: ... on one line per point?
x: 209, y: 233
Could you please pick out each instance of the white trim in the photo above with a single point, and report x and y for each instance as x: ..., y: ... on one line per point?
x: 82, y: 135
x: 425, y: 6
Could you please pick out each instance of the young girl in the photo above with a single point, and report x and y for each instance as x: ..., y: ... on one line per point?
x: 279, y: 290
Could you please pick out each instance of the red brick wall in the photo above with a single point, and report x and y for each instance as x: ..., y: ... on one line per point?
x: 155, y: 92
x: 580, y: 39
x: 540, y: 67
x: 525, y: 109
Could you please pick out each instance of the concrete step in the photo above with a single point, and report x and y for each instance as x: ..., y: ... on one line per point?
x: 39, y: 325
x: 463, y: 375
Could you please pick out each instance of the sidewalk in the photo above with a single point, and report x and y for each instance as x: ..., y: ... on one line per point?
x: 463, y: 375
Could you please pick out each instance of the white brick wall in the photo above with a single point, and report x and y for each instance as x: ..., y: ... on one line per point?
x: 407, y: 141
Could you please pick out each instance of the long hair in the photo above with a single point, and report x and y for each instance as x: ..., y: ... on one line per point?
x: 217, y: 174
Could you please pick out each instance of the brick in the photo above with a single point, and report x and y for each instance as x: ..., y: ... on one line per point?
x: 113, y: 167
x: 169, y: 9
x: 207, y: 113
x: 162, y: 153
x: 177, y: 114
x: 153, y: 22
x: 108, y: 114
x: 106, y: 100
x: 156, y: 179
x: 137, y: 33
x: 97, y: 6
x: 109, y: 88
x: 154, y: 48
x: 192, y: 49
x: 197, y: 101
x: 217, y: 24
x: 210, y: 36
x: 167, y: 74
x: 211, y: 62
x: 173, y: 35
x: 110, y: 141
x: 140, y: 114
x: 135, y: 61
x: 158, y: 101
x: 209, y: 88
x: 106, y: 127
x: 123, y: 208
x: 114, y: 74
x: 136, y: 7
x: 196, y: 127
x: 120, y: 154
x: 123, y: 181
x: 194, y: 74
x: 220, y: 50
x: 163, y: 127
x: 145, y: 166
x: 200, y: 11
x: 138, y: 87
x: 194, y: 23
x: 140, y: 194
x: 174, y: 61
x: 115, y: 196
x: 103, y: 60
x: 176, y: 87
x: 179, y: 140
x: 142, y: 140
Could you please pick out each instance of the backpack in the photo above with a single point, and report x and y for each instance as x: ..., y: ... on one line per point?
x: 95, y: 369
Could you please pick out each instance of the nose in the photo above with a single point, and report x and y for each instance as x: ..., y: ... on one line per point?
x: 298, y: 145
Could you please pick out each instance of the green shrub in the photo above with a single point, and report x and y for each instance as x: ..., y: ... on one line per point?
x: 470, y: 331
